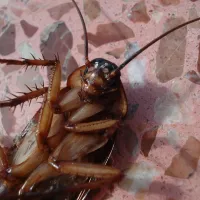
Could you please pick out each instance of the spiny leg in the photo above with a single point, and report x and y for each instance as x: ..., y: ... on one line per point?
x: 33, y: 94
x: 51, y: 97
x: 47, y: 111
x: 30, y: 62
x: 23, y: 98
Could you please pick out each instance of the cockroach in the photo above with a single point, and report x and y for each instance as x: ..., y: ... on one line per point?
x: 66, y: 146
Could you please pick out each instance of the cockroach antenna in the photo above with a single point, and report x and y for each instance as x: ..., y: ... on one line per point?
x: 85, y: 33
x: 115, y: 72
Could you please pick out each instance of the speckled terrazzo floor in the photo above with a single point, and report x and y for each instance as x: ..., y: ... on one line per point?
x: 159, y: 144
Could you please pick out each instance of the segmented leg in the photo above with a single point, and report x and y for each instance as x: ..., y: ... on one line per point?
x: 87, y: 169
x: 33, y: 94
x: 85, y: 111
x: 3, y: 160
x: 22, y: 99
x: 29, y: 62
x: 65, y: 190
x: 109, y: 174
x: 76, y: 145
x: 48, y: 106
x: 8, y: 186
x: 42, y: 172
x: 92, y: 126
x: 6, y: 182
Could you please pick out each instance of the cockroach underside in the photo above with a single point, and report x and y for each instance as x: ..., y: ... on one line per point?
x: 65, y: 149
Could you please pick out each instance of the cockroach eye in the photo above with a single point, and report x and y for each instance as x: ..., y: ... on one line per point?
x: 105, y: 71
x: 96, y: 65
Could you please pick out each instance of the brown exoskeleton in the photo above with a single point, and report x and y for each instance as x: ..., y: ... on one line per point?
x: 59, y: 153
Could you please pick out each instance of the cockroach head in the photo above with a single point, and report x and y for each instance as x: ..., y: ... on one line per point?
x: 96, y: 79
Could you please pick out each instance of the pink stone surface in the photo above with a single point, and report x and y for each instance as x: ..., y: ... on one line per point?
x: 163, y: 96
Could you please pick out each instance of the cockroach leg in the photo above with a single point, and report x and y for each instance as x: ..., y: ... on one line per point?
x: 28, y: 156
x: 107, y: 173
x: 77, y: 145
x: 85, y: 111
x: 3, y: 160
x: 87, y: 169
x: 91, y: 126
x: 83, y: 194
x: 45, y: 171
x: 68, y: 100
x: 6, y: 182
x: 7, y: 185
x: 23, y: 98
x: 42, y: 172
x: 55, y: 82
x: 48, y: 106
x: 29, y: 62
x: 44, y: 124
x: 62, y: 191
x: 93, y: 185
x: 57, y: 132
x: 38, y: 92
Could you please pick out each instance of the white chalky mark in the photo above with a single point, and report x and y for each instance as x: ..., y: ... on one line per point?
x: 25, y: 50
x: 51, y: 29
x: 139, y: 177
x: 168, y: 110
x: 136, y: 72
x: 173, y: 137
x: 131, y: 48
x: 157, y: 16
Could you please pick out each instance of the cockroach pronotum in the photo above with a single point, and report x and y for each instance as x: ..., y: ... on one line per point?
x: 64, y: 151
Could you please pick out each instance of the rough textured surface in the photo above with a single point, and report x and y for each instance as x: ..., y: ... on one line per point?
x: 161, y: 131
x: 92, y: 9
x: 107, y: 33
x: 7, y: 40
x: 139, y: 13
x: 167, y: 68
x: 169, y: 2
x: 148, y: 139
x: 29, y: 29
x: 185, y: 163
x: 58, y: 11
x: 57, y: 38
